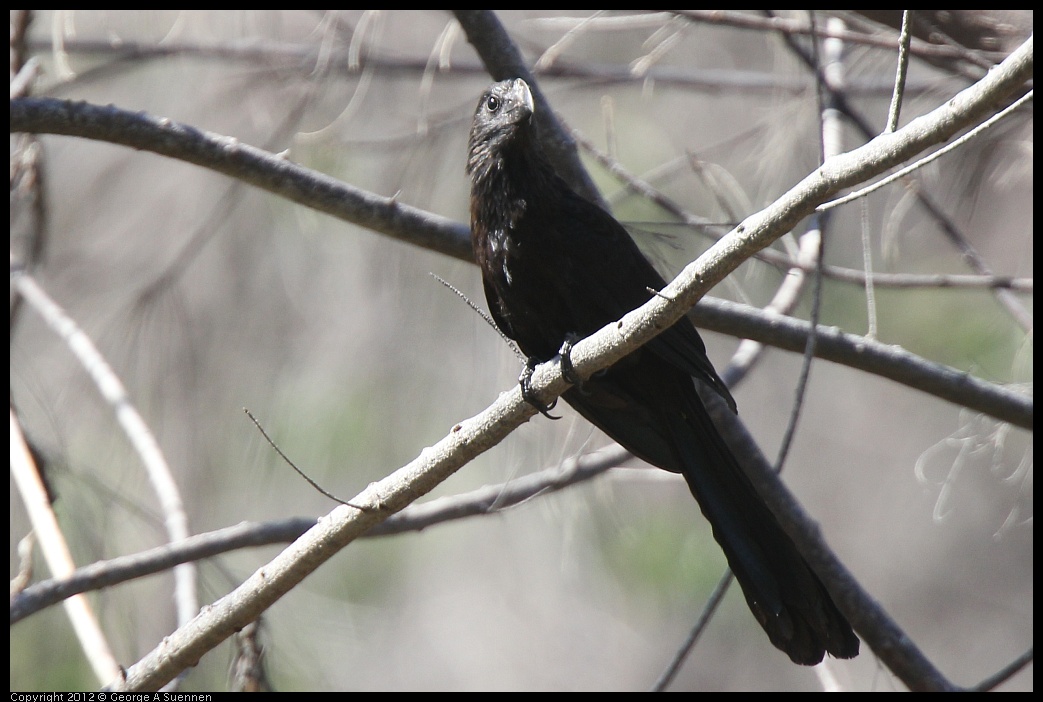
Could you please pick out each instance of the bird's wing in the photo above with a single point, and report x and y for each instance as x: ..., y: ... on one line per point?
x: 597, y: 240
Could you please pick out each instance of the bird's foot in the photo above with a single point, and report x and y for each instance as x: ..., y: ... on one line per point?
x: 525, y: 381
x: 567, y: 370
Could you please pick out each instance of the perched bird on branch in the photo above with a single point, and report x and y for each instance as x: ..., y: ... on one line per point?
x: 557, y: 267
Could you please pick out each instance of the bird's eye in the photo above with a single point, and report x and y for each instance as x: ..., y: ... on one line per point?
x: 492, y: 104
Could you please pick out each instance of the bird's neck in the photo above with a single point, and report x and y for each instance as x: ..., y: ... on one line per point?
x: 510, y: 183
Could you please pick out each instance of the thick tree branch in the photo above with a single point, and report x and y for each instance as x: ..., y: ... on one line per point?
x: 247, y: 163
x: 886, y: 360
x: 318, y: 191
x: 876, y: 628
x: 487, y: 500
x: 476, y: 435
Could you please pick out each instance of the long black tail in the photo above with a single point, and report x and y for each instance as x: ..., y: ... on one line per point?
x: 653, y: 409
x: 785, y: 596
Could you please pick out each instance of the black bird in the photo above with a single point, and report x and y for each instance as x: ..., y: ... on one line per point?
x: 557, y: 267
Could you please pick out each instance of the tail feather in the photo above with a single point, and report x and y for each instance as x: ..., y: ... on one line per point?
x: 656, y: 413
x: 786, y: 597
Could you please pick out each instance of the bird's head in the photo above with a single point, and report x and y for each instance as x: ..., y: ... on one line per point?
x: 504, y: 114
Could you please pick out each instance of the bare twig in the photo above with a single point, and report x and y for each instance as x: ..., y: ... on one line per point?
x: 487, y: 500
x: 473, y: 436
x: 56, y: 552
x: 138, y: 432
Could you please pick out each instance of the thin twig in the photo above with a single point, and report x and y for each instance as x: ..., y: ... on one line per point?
x: 904, y: 37
x: 955, y: 144
x: 133, y: 424
x: 299, y: 472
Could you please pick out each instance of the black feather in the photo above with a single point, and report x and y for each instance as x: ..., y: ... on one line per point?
x: 555, y: 265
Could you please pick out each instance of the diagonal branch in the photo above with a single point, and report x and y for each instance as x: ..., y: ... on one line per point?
x: 475, y: 435
x: 255, y: 166
x: 892, y: 362
x: 759, y: 230
x: 274, y: 174
x: 483, y: 501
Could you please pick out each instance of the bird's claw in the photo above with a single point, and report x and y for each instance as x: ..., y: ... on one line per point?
x: 525, y: 381
x: 568, y: 371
